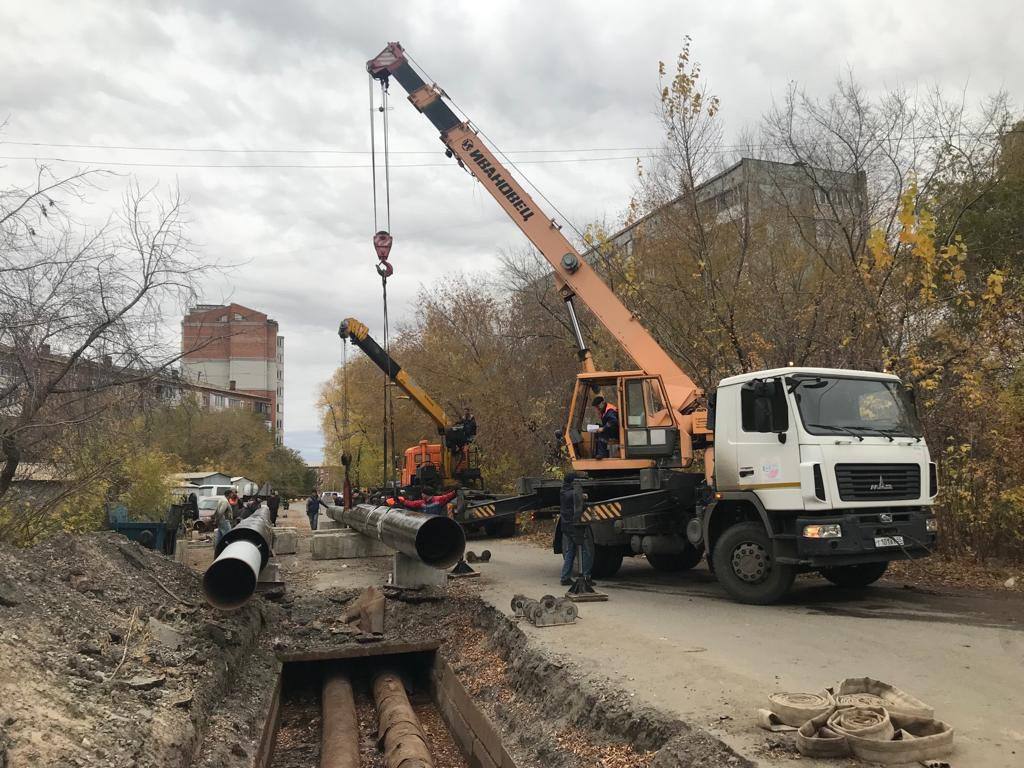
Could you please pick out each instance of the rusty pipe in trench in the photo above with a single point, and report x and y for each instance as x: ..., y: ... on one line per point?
x: 339, y: 734
x: 399, y: 731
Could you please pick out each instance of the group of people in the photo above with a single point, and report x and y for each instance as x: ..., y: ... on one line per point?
x: 234, y: 508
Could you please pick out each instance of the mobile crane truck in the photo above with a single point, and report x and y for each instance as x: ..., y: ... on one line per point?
x: 805, y: 469
x: 432, y: 467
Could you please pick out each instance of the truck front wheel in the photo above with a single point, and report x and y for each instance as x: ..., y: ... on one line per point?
x: 855, y: 575
x: 745, y: 567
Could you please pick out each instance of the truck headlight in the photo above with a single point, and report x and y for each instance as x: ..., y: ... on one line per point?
x: 830, y: 531
x: 932, y: 525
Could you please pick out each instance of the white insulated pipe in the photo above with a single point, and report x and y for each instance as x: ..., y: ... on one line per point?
x: 231, y: 580
x: 241, y: 554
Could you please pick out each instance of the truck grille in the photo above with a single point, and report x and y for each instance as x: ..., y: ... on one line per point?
x: 878, y: 482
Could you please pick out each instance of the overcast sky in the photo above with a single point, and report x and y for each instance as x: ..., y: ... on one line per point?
x: 273, y: 75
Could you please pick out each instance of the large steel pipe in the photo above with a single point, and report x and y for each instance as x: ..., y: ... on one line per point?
x: 435, y: 540
x: 339, y: 731
x: 240, y: 556
x: 398, y: 729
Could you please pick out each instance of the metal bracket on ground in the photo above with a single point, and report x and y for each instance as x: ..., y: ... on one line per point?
x: 549, y: 611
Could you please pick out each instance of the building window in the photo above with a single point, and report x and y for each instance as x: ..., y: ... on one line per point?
x: 239, y: 316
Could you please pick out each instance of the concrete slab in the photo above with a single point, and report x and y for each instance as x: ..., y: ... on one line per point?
x: 337, y: 545
x: 324, y: 523
x: 286, y: 541
x: 411, y: 573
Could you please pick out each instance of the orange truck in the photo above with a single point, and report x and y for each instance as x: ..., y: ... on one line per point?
x: 803, y: 469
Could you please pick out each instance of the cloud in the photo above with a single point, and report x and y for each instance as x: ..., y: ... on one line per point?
x: 252, y: 74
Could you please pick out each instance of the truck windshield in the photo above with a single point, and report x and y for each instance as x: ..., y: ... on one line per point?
x: 830, y: 405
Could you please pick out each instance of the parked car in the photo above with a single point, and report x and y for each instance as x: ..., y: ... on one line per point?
x: 207, y: 507
x: 214, y: 490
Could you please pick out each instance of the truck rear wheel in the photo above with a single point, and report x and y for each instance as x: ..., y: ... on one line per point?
x: 501, y: 529
x: 745, y: 567
x: 681, y: 561
x: 855, y: 575
x: 607, y: 561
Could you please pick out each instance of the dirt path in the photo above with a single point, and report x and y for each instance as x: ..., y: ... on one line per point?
x: 676, y: 641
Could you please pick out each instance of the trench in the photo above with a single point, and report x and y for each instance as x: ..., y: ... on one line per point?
x: 450, y: 722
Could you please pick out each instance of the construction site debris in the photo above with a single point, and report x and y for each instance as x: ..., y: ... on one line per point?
x: 367, y: 612
x: 549, y: 611
x: 869, y: 719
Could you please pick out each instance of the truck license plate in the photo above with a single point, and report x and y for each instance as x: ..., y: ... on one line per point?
x: 888, y: 541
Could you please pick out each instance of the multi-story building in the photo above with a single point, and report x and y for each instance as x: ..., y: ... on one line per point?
x: 167, y: 386
x: 238, y: 349
x: 802, y: 200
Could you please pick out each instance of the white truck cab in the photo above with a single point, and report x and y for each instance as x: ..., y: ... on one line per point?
x: 829, y: 464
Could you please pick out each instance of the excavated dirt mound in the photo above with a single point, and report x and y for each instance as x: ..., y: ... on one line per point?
x: 108, y: 655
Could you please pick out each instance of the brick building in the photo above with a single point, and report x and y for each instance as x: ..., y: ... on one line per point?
x: 238, y: 349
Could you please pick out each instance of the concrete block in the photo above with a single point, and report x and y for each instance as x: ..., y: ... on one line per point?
x: 286, y: 541
x: 409, y: 572
x: 484, y: 731
x: 480, y: 757
x: 345, y: 544
x: 271, y: 572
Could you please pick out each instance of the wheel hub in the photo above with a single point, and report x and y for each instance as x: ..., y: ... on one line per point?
x: 750, y: 562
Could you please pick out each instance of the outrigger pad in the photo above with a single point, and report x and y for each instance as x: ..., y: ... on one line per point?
x: 582, y: 591
x: 462, y: 570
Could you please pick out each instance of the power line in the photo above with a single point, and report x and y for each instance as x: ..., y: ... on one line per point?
x: 326, y: 166
x: 338, y: 151
x: 301, y: 151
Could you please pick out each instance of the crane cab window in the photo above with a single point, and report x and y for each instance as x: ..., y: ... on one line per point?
x: 650, y: 432
x: 763, y: 406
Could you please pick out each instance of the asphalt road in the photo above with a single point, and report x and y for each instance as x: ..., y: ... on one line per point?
x: 677, y: 642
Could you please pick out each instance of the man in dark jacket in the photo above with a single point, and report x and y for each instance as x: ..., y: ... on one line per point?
x: 273, y: 504
x: 608, y: 430
x: 573, y: 534
x: 313, y: 505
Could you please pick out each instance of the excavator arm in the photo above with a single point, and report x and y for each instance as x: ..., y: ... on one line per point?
x: 573, y: 275
x: 359, y: 335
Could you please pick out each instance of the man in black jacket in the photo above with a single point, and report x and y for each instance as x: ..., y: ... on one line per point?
x: 573, y: 534
x: 609, y: 428
x: 273, y: 504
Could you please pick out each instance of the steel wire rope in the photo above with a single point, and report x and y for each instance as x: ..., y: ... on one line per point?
x: 500, y: 153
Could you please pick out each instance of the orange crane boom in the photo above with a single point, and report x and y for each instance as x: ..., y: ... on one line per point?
x: 571, y: 270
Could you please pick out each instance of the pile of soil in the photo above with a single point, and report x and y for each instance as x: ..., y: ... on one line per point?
x: 109, y: 655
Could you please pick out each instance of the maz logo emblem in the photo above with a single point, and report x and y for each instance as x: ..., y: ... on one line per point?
x: 885, y: 517
x: 881, y: 485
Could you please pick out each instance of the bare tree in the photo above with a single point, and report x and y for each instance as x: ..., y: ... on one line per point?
x: 82, y: 308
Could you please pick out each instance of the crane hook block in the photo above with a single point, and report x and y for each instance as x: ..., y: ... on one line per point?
x: 382, y: 245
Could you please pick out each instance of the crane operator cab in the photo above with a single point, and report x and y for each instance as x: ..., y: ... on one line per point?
x: 646, y: 434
